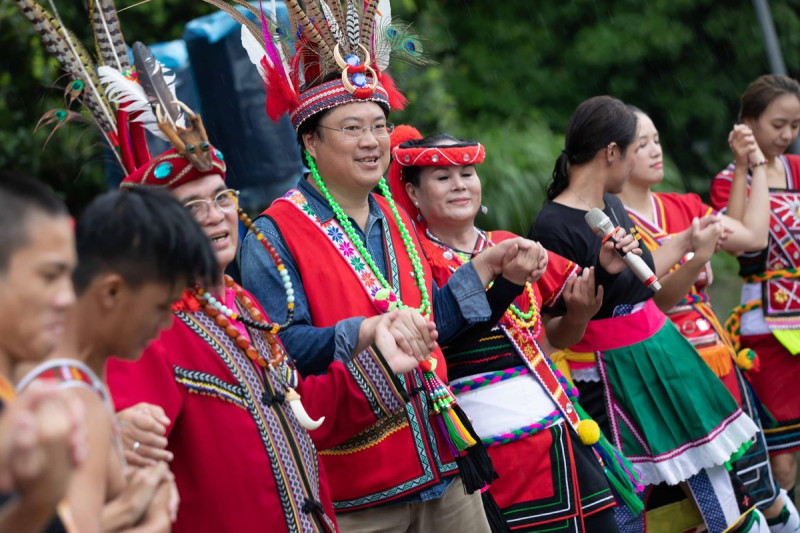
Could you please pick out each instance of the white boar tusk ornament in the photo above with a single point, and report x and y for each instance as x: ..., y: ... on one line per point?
x: 300, y: 412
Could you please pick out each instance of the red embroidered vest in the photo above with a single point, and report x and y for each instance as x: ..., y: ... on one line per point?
x: 398, y: 456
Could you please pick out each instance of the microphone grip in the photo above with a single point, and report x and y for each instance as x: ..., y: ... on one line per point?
x: 640, y: 269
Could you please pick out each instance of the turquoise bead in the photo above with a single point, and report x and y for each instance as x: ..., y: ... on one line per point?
x: 163, y: 170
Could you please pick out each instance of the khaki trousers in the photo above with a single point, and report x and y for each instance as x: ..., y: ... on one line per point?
x: 454, y: 511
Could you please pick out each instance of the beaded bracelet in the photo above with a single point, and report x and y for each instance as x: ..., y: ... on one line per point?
x: 759, y: 164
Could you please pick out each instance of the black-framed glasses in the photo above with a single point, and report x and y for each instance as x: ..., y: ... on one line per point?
x: 356, y: 132
x: 226, y: 201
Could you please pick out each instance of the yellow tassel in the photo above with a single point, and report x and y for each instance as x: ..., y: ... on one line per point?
x: 464, y: 433
x: 588, y: 432
x: 746, y: 359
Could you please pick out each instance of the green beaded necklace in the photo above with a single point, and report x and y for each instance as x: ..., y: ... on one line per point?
x: 411, y: 250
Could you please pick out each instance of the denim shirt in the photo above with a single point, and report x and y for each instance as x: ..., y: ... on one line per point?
x: 460, y: 303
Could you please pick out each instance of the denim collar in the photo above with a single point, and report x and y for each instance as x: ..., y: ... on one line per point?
x: 324, y: 211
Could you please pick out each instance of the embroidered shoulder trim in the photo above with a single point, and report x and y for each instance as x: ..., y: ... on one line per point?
x: 341, y: 242
x: 210, y: 385
x: 382, y: 389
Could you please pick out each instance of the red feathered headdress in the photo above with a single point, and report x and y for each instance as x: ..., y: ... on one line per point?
x: 171, y: 170
x: 340, y: 55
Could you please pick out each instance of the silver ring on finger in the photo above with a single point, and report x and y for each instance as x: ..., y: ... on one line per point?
x: 136, y: 446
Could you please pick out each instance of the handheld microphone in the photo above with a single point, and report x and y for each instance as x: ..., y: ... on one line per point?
x: 603, y: 228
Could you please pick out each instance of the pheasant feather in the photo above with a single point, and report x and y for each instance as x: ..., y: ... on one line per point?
x: 335, y: 7
x: 59, y: 42
x: 367, y: 23
x: 248, y: 7
x: 330, y: 18
x: 300, y: 18
x: 316, y: 18
x: 352, y: 26
x: 109, y: 41
x: 234, y: 13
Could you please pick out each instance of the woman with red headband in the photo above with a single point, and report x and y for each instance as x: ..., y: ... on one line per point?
x: 520, y: 404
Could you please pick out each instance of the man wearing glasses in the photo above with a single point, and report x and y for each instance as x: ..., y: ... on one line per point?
x: 351, y: 255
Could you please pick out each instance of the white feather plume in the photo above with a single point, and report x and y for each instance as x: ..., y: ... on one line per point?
x: 255, y: 51
x: 383, y: 19
x: 129, y: 96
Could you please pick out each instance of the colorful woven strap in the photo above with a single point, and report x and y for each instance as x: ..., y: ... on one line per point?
x: 773, y: 274
x: 527, y: 431
x: 486, y: 379
x: 693, y: 298
x: 734, y: 323
x: 745, y: 359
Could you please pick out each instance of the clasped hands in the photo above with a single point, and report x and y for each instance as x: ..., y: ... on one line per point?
x: 518, y: 260
x: 707, y: 235
x: 405, y: 338
x: 744, y: 146
x: 42, y: 441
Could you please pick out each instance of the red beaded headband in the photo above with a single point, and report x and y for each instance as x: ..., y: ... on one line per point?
x: 440, y: 156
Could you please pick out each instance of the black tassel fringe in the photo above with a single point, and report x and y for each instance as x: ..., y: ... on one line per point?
x: 476, y: 466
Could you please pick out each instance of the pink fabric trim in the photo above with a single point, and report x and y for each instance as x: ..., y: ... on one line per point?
x: 611, y: 333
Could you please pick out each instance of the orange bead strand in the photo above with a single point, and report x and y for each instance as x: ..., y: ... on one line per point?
x: 277, y: 352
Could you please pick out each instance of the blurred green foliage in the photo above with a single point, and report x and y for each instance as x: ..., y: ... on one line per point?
x: 506, y: 73
x: 31, y: 83
x: 510, y: 74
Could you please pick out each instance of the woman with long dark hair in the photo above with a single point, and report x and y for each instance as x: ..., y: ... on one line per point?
x: 642, y: 380
x: 685, y: 298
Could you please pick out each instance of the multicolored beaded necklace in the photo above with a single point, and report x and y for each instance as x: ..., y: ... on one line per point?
x: 285, y: 374
x: 419, y: 274
x: 271, y: 327
x: 514, y: 315
x: 223, y: 315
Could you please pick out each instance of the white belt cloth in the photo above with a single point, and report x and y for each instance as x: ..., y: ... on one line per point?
x: 753, y: 322
x: 506, y: 406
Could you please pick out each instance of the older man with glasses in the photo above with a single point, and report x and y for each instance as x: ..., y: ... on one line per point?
x: 218, y: 396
